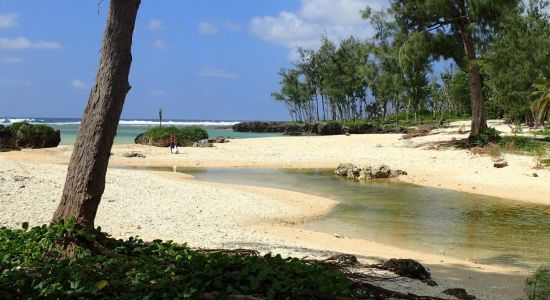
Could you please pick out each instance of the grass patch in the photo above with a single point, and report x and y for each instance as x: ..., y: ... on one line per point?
x: 537, y: 286
x: 185, y: 135
x: 524, y: 145
x: 33, y: 266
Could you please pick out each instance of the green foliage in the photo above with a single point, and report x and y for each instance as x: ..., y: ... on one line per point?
x: 28, y: 129
x: 32, y: 266
x: 185, y: 135
x: 541, y: 105
x: 537, y: 286
x: 517, y: 56
x: 484, y: 138
x: 525, y: 145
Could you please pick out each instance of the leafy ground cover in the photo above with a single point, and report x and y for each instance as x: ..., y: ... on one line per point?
x: 34, y: 263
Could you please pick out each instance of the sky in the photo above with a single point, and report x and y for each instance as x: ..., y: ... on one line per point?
x: 197, y: 60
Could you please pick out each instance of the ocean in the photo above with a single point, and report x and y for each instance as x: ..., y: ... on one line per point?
x: 128, y: 129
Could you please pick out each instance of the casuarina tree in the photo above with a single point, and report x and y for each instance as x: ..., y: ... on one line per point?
x: 85, y: 180
x: 455, y: 27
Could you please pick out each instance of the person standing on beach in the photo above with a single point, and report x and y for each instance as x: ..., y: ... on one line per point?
x: 173, y: 144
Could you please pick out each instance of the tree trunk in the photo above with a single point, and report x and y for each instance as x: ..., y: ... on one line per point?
x: 85, y: 180
x: 479, y: 121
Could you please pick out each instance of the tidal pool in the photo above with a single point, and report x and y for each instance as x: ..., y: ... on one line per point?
x: 479, y: 228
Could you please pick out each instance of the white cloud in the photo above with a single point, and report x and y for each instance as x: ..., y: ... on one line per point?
x: 232, y: 26
x: 158, y: 93
x: 161, y: 44
x: 217, y: 73
x: 155, y: 24
x: 286, y: 29
x: 79, y: 85
x: 8, y: 20
x: 11, y: 60
x: 338, y: 19
x: 206, y: 28
x: 24, y: 43
x: 338, y: 12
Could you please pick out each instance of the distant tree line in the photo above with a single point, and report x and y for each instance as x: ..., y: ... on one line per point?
x: 498, y: 52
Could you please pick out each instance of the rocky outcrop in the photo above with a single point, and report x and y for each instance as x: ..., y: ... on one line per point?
x: 317, y: 128
x: 202, y: 144
x: 370, y: 172
x: 25, y: 135
x: 218, y: 139
x: 407, y: 268
x: 459, y: 293
x: 160, y: 142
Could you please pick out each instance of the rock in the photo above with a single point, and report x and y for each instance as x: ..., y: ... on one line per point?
x: 344, y: 259
x: 380, y: 171
x: 407, y: 268
x: 133, y: 154
x: 329, y: 128
x: 459, y: 293
x: 25, y: 135
x: 342, y: 169
x: 397, y: 173
x: 203, y: 144
x: 500, y: 164
x: 369, y: 172
x: 218, y: 139
x: 354, y: 172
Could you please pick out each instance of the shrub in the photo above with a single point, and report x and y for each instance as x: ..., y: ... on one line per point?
x: 185, y: 135
x: 192, y: 133
x: 537, y: 287
x: 486, y: 136
x: 33, y: 266
x: 27, y: 129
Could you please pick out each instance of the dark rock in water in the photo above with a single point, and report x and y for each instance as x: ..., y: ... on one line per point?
x: 371, y: 172
x: 344, y: 259
x: 203, y: 144
x: 407, y: 268
x: 25, y: 135
x: 319, y: 128
x: 343, y: 169
x: 459, y: 293
x: 133, y: 154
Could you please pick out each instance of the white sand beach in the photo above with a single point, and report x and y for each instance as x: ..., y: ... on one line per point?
x: 169, y: 206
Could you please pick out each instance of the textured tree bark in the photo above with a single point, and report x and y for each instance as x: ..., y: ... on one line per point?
x: 479, y: 121
x: 85, y: 180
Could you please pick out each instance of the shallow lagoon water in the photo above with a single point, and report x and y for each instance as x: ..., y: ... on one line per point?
x: 478, y: 228
x: 127, y: 133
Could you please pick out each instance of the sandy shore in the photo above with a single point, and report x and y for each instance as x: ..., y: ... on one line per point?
x: 449, y: 169
x: 152, y: 205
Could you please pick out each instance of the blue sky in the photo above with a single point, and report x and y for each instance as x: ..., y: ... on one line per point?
x: 208, y: 59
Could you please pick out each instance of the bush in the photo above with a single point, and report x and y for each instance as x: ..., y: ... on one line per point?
x: 185, y: 135
x: 537, y: 287
x: 486, y: 136
x: 33, y: 266
x: 27, y: 129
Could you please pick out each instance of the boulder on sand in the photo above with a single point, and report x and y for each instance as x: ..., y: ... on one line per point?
x: 407, y: 268
x: 203, y: 144
x: 342, y: 169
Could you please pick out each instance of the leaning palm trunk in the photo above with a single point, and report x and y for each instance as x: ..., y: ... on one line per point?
x: 85, y: 181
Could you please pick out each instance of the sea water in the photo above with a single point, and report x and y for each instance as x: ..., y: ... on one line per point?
x: 128, y: 129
